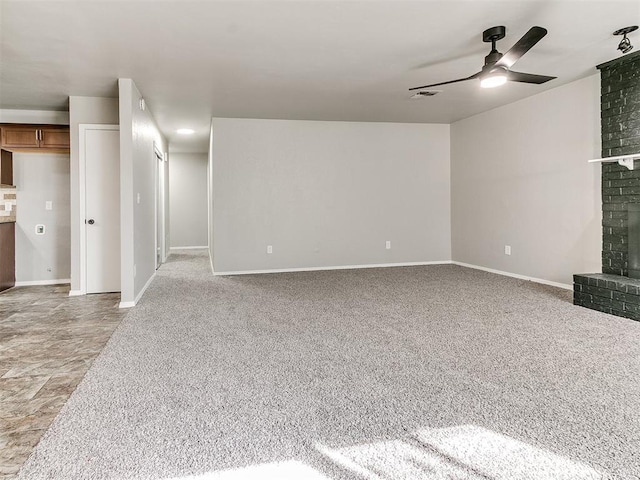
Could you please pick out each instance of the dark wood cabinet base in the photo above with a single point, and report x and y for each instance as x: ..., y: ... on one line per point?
x: 7, y: 255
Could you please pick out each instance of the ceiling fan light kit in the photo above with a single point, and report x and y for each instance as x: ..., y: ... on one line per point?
x: 497, y: 66
x: 494, y: 78
x: 625, y: 44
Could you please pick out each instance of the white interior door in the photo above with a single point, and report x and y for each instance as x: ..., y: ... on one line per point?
x: 102, y: 210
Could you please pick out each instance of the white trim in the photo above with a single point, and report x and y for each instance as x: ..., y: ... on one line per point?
x: 158, y: 151
x: 515, y: 275
x: 34, y: 116
x: 76, y: 293
x: 159, y: 206
x: 30, y: 283
x: 339, y: 267
x: 82, y: 179
x: 139, y: 296
x: 144, y: 289
x: 189, y: 248
x: 211, y: 261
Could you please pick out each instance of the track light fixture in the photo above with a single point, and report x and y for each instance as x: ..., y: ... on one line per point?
x: 625, y: 44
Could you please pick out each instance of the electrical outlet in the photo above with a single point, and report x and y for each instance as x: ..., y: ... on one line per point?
x: 48, y: 205
x: 507, y: 249
x: 269, y: 249
x: 388, y: 245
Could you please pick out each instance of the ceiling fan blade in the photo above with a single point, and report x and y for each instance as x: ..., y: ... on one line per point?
x: 475, y: 75
x: 528, y: 77
x: 522, y: 46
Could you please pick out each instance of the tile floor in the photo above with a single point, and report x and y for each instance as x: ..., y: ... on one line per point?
x: 47, y: 343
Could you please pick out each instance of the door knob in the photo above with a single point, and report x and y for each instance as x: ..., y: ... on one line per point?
x: 91, y: 221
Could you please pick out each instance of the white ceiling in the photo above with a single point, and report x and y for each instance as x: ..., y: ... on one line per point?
x: 304, y: 59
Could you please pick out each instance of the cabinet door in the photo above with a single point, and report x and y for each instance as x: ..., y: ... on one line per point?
x: 6, y: 167
x: 20, y: 137
x: 8, y: 257
x: 54, y: 138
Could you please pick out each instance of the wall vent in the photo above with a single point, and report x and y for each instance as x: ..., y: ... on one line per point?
x: 425, y: 93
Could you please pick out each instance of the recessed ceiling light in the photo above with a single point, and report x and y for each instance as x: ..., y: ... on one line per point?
x: 185, y: 131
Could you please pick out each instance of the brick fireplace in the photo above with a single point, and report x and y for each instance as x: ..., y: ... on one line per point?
x: 612, y: 291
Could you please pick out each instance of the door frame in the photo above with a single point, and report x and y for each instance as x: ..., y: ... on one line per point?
x: 159, y: 197
x: 82, y: 177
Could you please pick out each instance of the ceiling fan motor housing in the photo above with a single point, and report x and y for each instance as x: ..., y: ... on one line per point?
x: 491, y: 59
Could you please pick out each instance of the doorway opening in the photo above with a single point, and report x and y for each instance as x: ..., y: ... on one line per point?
x: 160, y: 206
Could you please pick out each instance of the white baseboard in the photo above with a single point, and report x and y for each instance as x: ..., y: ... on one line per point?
x: 76, y: 293
x: 188, y: 248
x: 144, y: 289
x: 211, y: 263
x: 139, y: 296
x: 339, y: 267
x: 515, y: 275
x: 61, y: 281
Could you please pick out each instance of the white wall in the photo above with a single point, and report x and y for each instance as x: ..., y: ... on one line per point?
x: 92, y: 110
x: 138, y: 132
x: 327, y: 194
x: 520, y: 177
x: 188, y: 191
x: 42, y: 177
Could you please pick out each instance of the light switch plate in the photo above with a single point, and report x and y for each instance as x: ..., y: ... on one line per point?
x: 39, y: 229
x: 48, y: 205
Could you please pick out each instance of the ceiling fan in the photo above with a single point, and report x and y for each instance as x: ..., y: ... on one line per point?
x: 496, y: 70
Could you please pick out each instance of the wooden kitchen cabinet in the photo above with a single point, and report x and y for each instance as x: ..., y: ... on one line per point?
x: 6, y: 167
x: 7, y: 255
x: 34, y: 138
x: 54, y: 138
x: 20, y: 137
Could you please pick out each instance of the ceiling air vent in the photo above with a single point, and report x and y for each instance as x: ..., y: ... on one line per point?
x: 425, y: 93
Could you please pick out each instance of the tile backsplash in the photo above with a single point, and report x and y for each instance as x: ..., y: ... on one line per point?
x: 7, y: 204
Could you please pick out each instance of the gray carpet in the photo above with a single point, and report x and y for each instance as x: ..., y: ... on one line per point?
x: 435, y: 372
